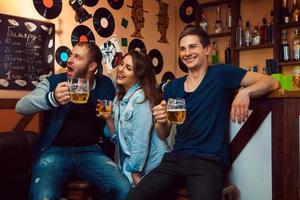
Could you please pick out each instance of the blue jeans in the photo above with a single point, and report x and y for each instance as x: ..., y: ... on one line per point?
x: 57, y: 164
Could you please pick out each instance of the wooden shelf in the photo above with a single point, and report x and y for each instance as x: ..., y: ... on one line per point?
x: 291, y: 25
x: 289, y: 63
x: 213, y: 3
x: 247, y: 48
x: 215, y: 35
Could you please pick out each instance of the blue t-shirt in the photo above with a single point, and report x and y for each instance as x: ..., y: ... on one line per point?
x: 205, y: 130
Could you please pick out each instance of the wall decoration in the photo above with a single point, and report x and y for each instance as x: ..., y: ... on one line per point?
x: 124, y: 22
x: 115, y: 4
x: 26, y: 52
x: 182, y: 66
x: 187, y: 10
x: 167, y: 77
x: 137, y: 44
x: 111, y: 52
x: 48, y: 9
x: 62, y: 55
x: 137, y: 16
x: 163, y: 21
x: 157, y: 60
x: 81, y: 14
x: 124, y: 42
x: 82, y: 33
x: 104, y: 22
x: 90, y: 3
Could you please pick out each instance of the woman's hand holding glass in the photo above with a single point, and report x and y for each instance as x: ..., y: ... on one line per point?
x: 104, y: 109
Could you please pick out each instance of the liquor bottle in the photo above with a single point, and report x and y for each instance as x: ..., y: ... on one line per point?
x: 285, y: 12
x: 228, y: 54
x: 296, y: 45
x: 203, y: 22
x: 218, y: 24
x: 285, y: 47
x: 239, y: 33
x: 229, y: 18
x: 247, y: 34
x: 214, y: 54
x: 270, y: 29
x: 263, y: 31
x: 295, y: 13
x: 255, y: 36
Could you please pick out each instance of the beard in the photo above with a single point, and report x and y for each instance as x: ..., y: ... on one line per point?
x: 82, y: 72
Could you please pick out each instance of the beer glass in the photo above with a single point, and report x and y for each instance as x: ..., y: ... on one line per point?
x: 105, y: 107
x: 176, y: 110
x: 79, y: 90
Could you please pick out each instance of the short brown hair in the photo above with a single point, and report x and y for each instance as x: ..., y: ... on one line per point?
x: 192, y: 30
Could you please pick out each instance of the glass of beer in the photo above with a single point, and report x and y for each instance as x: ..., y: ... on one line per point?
x: 105, y: 108
x: 79, y: 90
x: 176, y: 110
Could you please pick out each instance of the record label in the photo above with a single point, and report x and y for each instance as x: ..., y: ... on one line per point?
x: 62, y: 55
x: 138, y: 45
x: 82, y: 33
x: 157, y: 60
x: 187, y: 10
x: 49, y: 9
x: 115, y: 4
x: 104, y: 22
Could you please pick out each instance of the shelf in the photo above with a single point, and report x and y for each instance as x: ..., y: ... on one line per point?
x: 215, y: 35
x: 247, y: 48
x: 291, y: 25
x: 213, y: 3
x: 289, y: 63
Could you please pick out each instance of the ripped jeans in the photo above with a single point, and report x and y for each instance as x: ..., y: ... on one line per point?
x: 57, y: 164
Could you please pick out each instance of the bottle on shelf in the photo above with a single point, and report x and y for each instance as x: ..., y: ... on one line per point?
x: 285, y: 47
x: 285, y: 12
x: 295, y: 13
x: 296, y: 45
x: 255, y: 36
x: 214, y: 53
x: 203, y: 22
x: 239, y: 33
x: 263, y: 31
x: 270, y: 29
x: 228, y: 54
x: 229, y: 18
x: 247, y: 34
x: 218, y: 24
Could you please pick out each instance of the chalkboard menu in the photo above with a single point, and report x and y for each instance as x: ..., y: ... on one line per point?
x: 26, y: 52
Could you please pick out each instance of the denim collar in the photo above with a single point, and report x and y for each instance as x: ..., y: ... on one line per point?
x: 131, y: 91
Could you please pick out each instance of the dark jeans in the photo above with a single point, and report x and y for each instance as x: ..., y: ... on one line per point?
x: 55, y: 166
x: 203, y: 178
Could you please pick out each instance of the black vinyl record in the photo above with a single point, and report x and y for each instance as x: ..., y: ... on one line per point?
x: 104, y: 22
x: 62, y: 55
x: 168, y: 76
x: 182, y: 66
x: 82, y: 33
x: 137, y: 44
x: 187, y: 10
x: 49, y: 9
x: 90, y: 3
x: 157, y: 60
x: 115, y: 4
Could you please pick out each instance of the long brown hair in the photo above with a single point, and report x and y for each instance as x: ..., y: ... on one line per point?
x: 144, y: 72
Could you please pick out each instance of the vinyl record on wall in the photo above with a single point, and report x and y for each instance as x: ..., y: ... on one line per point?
x: 157, y: 60
x: 168, y: 76
x: 187, y: 10
x: 115, y: 4
x: 49, y: 9
x: 104, y: 22
x: 90, y: 3
x: 182, y: 66
x: 137, y: 44
x: 82, y: 33
x: 62, y: 55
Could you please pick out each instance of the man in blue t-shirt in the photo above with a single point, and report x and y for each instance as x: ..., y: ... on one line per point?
x: 200, y: 152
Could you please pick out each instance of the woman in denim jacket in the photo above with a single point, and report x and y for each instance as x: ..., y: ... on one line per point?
x: 131, y: 124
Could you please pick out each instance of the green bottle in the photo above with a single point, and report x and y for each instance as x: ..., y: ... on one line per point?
x: 214, y: 54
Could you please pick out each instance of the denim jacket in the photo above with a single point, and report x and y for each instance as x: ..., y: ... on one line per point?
x: 140, y: 149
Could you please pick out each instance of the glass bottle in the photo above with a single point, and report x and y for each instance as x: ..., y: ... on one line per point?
x: 296, y: 45
x: 247, y: 34
x: 214, y: 54
x: 228, y: 54
x: 229, y: 18
x: 239, y: 33
x: 270, y: 29
x: 203, y: 22
x: 285, y: 12
x: 295, y: 13
x: 255, y: 36
x: 285, y: 47
x: 263, y: 31
x: 218, y: 25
